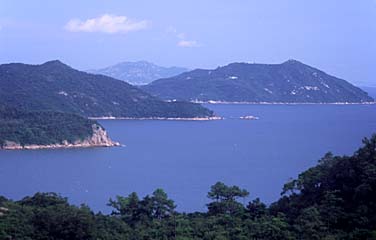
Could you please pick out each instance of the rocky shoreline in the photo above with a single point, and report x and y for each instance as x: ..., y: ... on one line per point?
x: 99, y: 138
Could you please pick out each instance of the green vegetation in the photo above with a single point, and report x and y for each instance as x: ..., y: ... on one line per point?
x: 54, y: 86
x: 42, y: 128
x: 334, y: 200
x: 49, y: 98
x: 290, y: 81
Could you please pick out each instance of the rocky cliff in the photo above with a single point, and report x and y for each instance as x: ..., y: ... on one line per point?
x: 99, y: 138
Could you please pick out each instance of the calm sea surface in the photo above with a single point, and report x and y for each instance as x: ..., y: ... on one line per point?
x: 186, y: 157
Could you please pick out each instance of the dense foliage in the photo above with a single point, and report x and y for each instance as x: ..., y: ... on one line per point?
x: 42, y: 128
x: 290, y: 81
x: 334, y: 200
x: 54, y: 86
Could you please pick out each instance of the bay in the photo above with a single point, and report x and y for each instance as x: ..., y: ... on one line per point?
x: 186, y: 157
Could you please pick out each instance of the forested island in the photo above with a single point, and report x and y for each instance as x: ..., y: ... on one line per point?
x: 333, y: 200
x: 47, y: 106
x: 55, y: 86
x: 44, y: 129
x: 288, y: 82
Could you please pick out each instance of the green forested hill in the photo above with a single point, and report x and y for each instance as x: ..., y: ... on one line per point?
x: 42, y: 128
x: 289, y: 82
x: 54, y: 86
x: 334, y: 200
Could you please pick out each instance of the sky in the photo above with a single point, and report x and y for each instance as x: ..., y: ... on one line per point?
x: 337, y: 36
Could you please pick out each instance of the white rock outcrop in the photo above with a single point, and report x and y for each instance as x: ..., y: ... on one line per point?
x: 99, y: 138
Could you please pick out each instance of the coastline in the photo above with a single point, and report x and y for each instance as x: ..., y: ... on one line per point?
x: 58, y: 146
x: 158, y: 118
x: 99, y: 138
x: 285, y: 103
x: 226, y: 103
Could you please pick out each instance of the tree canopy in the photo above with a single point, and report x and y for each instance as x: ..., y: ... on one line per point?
x: 333, y: 200
x: 42, y: 128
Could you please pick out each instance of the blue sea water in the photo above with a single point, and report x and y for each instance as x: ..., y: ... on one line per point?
x: 186, y: 157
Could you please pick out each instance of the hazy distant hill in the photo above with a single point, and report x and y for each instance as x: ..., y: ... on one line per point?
x: 55, y: 86
x: 291, y: 81
x: 139, y: 73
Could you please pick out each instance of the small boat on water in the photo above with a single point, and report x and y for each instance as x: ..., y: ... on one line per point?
x: 249, y: 117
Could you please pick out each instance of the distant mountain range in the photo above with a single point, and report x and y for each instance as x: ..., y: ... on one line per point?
x: 289, y: 82
x: 138, y: 73
x: 54, y: 86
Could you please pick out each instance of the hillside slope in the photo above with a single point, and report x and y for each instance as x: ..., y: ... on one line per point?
x: 54, y: 86
x: 34, y: 130
x: 289, y: 82
x: 370, y: 90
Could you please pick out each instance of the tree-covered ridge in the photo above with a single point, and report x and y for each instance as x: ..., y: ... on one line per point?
x: 333, y: 200
x: 288, y: 82
x: 54, y: 86
x: 42, y: 128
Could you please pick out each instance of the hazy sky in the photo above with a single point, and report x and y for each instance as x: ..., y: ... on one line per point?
x: 337, y: 36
